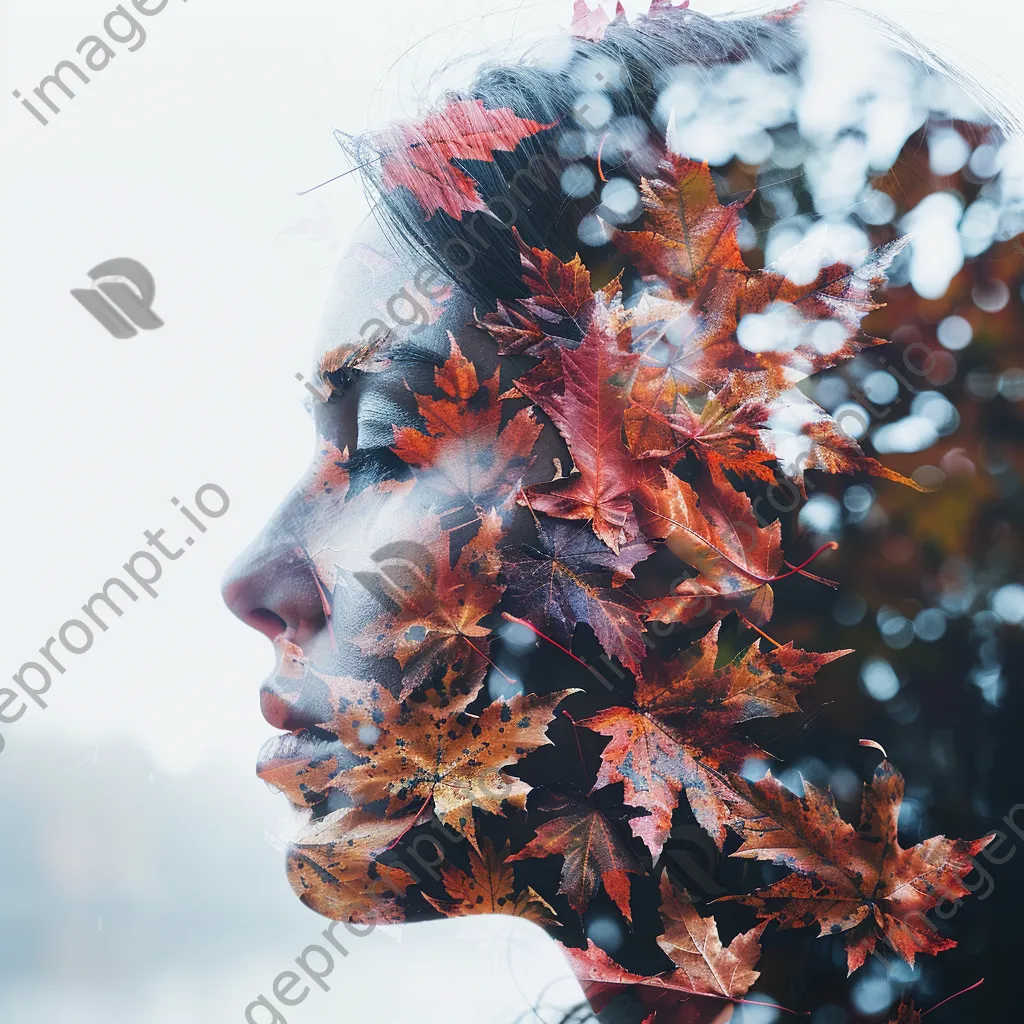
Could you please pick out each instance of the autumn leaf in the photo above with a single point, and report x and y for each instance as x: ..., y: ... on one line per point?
x: 858, y: 882
x: 420, y: 751
x: 490, y: 888
x: 565, y: 579
x: 717, y: 533
x: 677, y: 355
x: 681, y: 732
x: 466, y: 456
x: 332, y: 868
x: 688, y: 233
x: 418, y: 155
x: 692, y: 943
x: 303, y: 766
x: 823, y: 319
x: 594, y: 853
x: 592, y: 24
x: 588, y: 412
x: 330, y: 476
x: 434, y: 629
x: 305, y: 769
x: 705, y: 981
x: 723, y: 436
x: 602, y: 979
x: 828, y: 448
x: 689, y: 243
x: 559, y: 307
x: 907, y: 1014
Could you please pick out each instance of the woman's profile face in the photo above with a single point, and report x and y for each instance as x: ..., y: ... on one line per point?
x: 375, y: 576
x: 523, y: 598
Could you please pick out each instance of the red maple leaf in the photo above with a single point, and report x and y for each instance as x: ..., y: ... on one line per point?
x: 857, y: 881
x: 706, y: 976
x: 560, y: 308
x: 681, y: 732
x: 559, y: 292
x: 588, y: 411
x: 418, y: 155
x: 594, y: 853
x: 906, y: 1013
x: 602, y: 979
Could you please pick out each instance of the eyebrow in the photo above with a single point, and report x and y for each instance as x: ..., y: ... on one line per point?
x: 411, y: 352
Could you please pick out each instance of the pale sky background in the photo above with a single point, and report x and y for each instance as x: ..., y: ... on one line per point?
x: 187, y: 155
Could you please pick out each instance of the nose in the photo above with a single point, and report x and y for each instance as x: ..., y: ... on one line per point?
x: 272, y: 586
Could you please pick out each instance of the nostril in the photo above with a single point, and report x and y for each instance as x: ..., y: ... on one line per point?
x: 274, y: 591
x: 267, y: 622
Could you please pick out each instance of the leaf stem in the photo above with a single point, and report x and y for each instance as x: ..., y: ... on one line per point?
x: 980, y: 981
x: 757, y: 630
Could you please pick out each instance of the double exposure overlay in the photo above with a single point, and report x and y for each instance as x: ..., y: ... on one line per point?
x: 657, y: 577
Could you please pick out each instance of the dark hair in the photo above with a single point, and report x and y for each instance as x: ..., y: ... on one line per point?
x: 523, y: 188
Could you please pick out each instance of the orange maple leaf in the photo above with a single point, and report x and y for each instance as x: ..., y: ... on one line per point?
x: 466, y: 456
x: 434, y: 630
x: 333, y: 868
x: 420, y: 751
x: 860, y: 882
x: 490, y: 888
x: 718, y: 534
x: 690, y: 244
x: 329, y: 473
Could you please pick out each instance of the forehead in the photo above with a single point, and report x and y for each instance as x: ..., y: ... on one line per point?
x: 381, y: 287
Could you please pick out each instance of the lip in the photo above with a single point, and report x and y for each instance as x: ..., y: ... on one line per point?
x: 293, y: 751
x: 284, y: 760
x: 298, y: 763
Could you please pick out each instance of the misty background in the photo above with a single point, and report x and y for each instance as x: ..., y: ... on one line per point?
x: 140, y: 874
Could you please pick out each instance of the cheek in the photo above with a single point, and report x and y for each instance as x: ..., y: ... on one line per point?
x: 350, y: 541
